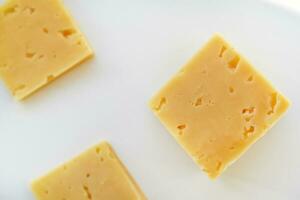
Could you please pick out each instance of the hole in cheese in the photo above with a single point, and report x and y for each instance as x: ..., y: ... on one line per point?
x: 247, y: 119
x: 231, y: 148
x: 223, y: 49
x: 87, y: 192
x: 198, y: 101
x: 210, y: 102
x: 30, y: 54
x: 218, y: 166
x: 79, y: 43
x: 66, y: 33
x: 50, y: 78
x: 249, y: 110
x: 181, y: 127
x: 250, y: 78
x: 231, y: 89
x: 45, y: 30
x: 234, y: 63
x: 162, y: 102
x: 31, y: 10
x: 10, y: 10
x: 98, y: 150
x: 273, y: 103
x: 248, y: 131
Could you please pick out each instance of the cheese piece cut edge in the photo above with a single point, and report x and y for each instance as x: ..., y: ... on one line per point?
x: 152, y: 103
x: 89, y: 54
x: 34, y: 184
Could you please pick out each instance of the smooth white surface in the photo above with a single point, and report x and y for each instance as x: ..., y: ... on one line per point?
x: 139, y: 45
x: 290, y: 4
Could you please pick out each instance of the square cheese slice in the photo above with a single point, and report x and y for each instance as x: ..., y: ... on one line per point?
x: 95, y: 174
x: 39, y: 41
x: 217, y: 106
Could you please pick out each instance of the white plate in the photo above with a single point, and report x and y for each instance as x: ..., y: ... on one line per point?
x: 139, y: 45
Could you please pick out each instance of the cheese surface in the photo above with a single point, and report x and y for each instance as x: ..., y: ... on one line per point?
x: 217, y: 106
x: 38, y: 42
x: 95, y: 174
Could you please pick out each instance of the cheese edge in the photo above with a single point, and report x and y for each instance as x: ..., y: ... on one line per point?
x: 89, y: 54
x: 35, y: 182
x: 152, y: 102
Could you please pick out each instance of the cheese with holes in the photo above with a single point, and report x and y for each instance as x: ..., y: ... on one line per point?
x: 95, y: 174
x: 39, y: 41
x: 217, y: 106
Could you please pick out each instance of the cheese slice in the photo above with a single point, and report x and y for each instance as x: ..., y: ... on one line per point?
x: 39, y: 41
x: 95, y: 174
x: 217, y: 106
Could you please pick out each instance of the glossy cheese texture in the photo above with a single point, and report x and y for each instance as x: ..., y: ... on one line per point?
x: 95, y: 174
x: 39, y: 41
x: 217, y: 106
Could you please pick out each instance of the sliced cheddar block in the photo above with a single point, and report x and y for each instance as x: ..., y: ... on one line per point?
x: 39, y: 41
x: 217, y: 106
x: 95, y: 174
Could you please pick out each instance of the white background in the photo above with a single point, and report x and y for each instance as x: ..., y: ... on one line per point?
x: 139, y: 45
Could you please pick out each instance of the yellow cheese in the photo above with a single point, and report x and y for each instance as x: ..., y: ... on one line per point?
x: 95, y: 174
x: 38, y: 42
x: 217, y: 106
